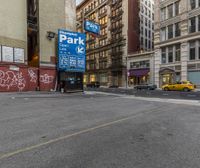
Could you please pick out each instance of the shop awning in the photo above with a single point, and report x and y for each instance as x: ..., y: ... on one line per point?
x: 139, y: 72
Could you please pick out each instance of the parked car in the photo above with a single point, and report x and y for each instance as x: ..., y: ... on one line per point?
x: 93, y: 85
x: 179, y: 86
x: 113, y: 86
x: 147, y: 87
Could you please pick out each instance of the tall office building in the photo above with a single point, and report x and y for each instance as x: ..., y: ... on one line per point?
x: 28, y: 42
x: 146, y: 15
x: 177, y: 41
x: 121, y: 22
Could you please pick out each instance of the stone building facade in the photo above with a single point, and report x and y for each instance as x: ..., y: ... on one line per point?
x: 177, y: 41
x: 140, y: 68
x: 28, y: 40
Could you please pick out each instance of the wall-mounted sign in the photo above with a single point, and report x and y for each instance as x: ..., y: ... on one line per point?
x: 7, y: 54
x: 13, y: 68
x: 18, y: 55
x: 71, y: 51
x: 92, y: 27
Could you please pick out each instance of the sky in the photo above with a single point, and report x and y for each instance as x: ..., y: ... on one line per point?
x: 78, y: 1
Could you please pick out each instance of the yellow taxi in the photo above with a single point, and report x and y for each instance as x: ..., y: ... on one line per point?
x: 179, y: 86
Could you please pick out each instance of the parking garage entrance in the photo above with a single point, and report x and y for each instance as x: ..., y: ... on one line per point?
x: 71, y: 81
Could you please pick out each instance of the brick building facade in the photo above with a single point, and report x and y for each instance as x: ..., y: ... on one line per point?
x: 126, y: 28
x: 107, y: 53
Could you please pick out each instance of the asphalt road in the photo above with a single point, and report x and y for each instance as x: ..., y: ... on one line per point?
x: 97, y: 131
x: 192, y: 95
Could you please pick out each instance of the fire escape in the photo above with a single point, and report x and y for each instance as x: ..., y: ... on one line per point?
x: 117, y: 39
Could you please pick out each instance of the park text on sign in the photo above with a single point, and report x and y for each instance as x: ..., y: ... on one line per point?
x: 92, y: 27
x: 71, y: 51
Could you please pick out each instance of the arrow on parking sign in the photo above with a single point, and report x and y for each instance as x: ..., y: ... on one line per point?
x: 80, y: 50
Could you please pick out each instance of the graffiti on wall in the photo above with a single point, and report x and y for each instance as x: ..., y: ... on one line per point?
x: 46, y: 79
x: 23, y: 80
x: 32, y: 75
x: 10, y: 79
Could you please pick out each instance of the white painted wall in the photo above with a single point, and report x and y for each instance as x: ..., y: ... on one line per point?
x: 13, y: 22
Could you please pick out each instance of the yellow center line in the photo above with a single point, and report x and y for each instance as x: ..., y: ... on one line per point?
x: 26, y: 149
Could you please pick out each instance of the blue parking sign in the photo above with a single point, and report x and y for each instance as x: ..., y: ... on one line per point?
x: 92, y: 27
x: 71, y: 51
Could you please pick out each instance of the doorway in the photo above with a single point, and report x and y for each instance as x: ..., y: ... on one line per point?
x: 71, y: 81
x: 33, y: 32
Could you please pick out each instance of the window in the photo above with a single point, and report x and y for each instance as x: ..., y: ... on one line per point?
x: 170, y: 31
x: 103, y: 20
x: 149, y: 24
x: 103, y: 31
x: 146, y: 22
x: 163, y: 59
x: 146, y: 43
x: 142, y: 19
x: 177, y: 30
x: 142, y: 40
x: 163, y: 14
x: 102, y: 10
x: 193, y: 4
x: 192, y: 23
x: 149, y: 14
x: 163, y: 34
x: 142, y: 9
x: 199, y: 22
x: 149, y: 44
x: 140, y: 64
x: 92, y: 16
x: 149, y: 33
x: 178, y: 53
x: 176, y: 8
x: 173, y: 31
x: 103, y: 78
x: 103, y: 64
x: 178, y: 76
x: 142, y: 29
x: 170, y: 11
x: 192, y: 51
x: 149, y: 4
x: 170, y: 54
x: 91, y: 66
x: 146, y: 11
x: 102, y: 42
